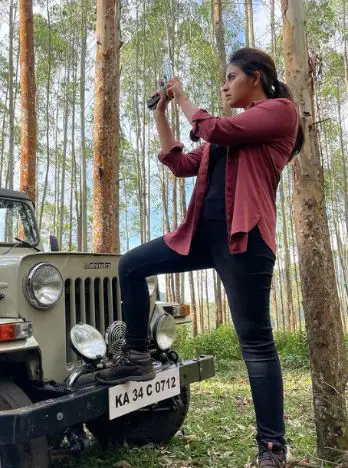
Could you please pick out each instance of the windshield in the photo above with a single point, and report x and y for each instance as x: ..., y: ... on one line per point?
x: 17, y: 220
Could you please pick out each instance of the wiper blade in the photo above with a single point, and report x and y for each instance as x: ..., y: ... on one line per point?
x: 21, y: 242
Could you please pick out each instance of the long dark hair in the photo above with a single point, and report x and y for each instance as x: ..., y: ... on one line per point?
x: 251, y: 60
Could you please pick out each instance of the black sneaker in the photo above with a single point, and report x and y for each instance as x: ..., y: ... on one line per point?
x: 130, y: 365
x: 270, y: 455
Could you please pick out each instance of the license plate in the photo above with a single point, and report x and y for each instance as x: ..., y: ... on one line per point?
x: 130, y: 396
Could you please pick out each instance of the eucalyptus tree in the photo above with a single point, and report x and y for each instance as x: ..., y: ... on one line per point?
x: 106, y: 128
x: 28, y: 104
x: 321, y: 305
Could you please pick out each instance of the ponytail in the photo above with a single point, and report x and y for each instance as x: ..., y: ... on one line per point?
x: 282, y: 90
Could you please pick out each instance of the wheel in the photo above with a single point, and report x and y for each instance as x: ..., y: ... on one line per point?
x: 142, y: 427
x: 33, y: 454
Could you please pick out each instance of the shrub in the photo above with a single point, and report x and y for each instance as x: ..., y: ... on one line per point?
x: 293, y: 348
x: 224, y: 345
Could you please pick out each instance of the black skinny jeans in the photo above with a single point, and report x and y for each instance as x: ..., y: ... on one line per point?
x: 247, y: 280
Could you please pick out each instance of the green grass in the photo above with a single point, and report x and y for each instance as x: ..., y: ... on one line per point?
x: 219, y: 429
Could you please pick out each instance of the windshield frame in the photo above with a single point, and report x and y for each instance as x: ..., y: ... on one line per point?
x: 29, y: 206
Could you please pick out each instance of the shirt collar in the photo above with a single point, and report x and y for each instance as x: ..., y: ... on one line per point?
x: 258, y: 101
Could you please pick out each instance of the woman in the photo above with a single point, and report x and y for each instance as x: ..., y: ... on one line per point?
x: 230, y: 226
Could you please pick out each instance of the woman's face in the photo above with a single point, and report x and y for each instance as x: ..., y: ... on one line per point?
x: 238, y: 87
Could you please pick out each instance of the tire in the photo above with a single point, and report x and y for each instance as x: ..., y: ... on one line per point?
x: 143, y: 427
x: 33, y: 454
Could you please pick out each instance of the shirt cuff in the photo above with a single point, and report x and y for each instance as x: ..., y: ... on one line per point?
x: 201, y: 114
x: 177, y: 147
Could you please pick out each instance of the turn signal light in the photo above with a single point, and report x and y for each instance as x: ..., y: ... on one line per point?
x: 15, y: 331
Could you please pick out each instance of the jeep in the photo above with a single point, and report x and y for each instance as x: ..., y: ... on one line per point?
x: 60, y: 322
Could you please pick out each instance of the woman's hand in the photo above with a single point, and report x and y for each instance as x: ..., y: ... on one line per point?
x: 174, y: 89
x: 161, y: 105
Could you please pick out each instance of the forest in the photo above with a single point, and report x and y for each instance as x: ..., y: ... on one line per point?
x: 98, y: 185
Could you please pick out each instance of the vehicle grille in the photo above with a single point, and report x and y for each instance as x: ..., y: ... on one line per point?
x: 92, y: 301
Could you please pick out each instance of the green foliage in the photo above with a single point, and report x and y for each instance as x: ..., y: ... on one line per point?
x: 221, y: 343
x: 224, y: 345
x: 293, y: 349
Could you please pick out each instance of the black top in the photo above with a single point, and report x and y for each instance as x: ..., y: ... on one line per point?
x: 214, y: 202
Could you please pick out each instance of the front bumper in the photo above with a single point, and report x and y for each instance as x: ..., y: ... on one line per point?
x: 52, y: 416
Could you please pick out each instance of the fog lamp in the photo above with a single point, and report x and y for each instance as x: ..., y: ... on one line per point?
x: 87, y: 342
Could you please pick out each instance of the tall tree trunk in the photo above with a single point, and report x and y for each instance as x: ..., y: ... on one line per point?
x: 207, y: 299
x: 343, y: 158
x: 82, y: 126
x: 321, y: 305
x: 56, y: 167
x: 218, y: 299
x: 65, y: 144
x: 44, y: 190
x: 138, y: 135
x: 3, y: 134
x: 193, y: 304
x: 118, y: 45
x: 73, y: 189
x: 148, y: 191
x: 28, y: 97
x: 249, y: 23
x: 11, y: 100
x: 220, y: 45
x: 287, y: 284
x: 275, y: 304
x: 294, y: 255
x: 273, y: 35
x: 143, y: 126
x: 105, y: 215
x: 182, y: 198
x: 199, y: 299
x: 280, y: 289
x: 345, y: 49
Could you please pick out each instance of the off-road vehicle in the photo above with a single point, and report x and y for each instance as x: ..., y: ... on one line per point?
x: 60, y: 322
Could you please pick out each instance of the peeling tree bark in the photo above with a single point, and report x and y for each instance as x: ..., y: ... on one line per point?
x: 28, y: 96
x: 320, y: 299
x: 106, y: 128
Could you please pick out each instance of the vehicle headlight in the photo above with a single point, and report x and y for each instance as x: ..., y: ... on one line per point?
x: 152, y: 283
x: 165, y: 331
x: 87, y: 342
x: 43, y: 285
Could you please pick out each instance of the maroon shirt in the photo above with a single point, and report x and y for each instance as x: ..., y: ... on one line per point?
x: 260, y: 142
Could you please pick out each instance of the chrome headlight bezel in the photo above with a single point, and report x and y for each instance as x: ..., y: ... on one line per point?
x: 29, y: 286
x: 167, y: 322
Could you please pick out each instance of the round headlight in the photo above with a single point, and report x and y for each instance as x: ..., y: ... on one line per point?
x: 87, y: 342
x: 44, y: 285
x: 165, y: 331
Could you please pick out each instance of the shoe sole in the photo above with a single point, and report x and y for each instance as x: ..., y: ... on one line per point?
x: 131, y: 378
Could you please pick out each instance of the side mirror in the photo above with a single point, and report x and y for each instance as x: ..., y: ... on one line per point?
x: 54, y: 244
